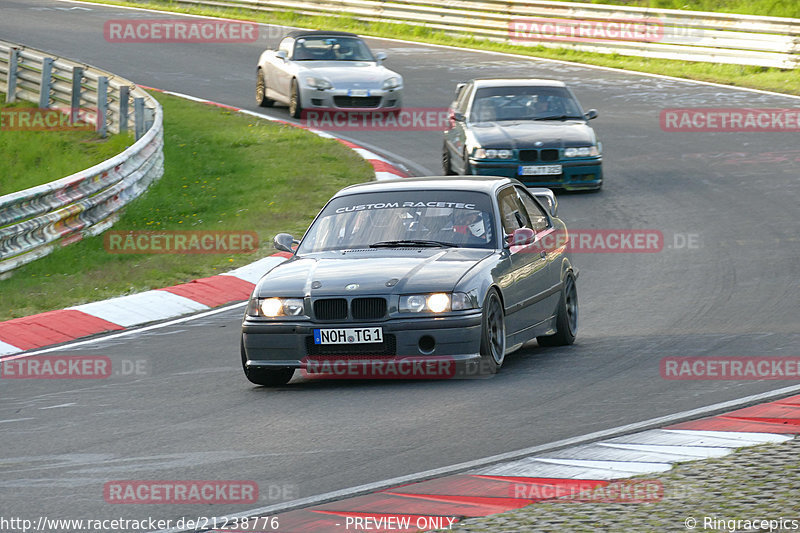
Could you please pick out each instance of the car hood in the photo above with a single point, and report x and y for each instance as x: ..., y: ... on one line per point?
x: 525, y: 134
x: 349, y: 74
x: 375, y: 271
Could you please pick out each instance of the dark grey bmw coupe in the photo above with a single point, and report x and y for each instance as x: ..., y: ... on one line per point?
x: 400, y: 274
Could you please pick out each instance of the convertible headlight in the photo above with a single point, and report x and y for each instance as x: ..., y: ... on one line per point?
x: 274, y: 307
x: 437, y: 302
x: 583, y: 151
x: 392, y: 83
x: 491, y: 153
x: 318, y: 83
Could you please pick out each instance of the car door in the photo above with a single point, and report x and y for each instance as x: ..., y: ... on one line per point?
x: 546, y: 245
x: 280, y: 77
x: 521, y: 273
x: 455, y: 137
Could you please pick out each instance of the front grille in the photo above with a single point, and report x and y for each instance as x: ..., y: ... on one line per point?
x: 353, y: 351
x: 368, y: 308
x: 357, y: 101
x: 529, y: 155
x: 549, y: 155
x: 330, y: 309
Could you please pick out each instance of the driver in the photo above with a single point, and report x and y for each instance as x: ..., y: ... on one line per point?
x: 473, y: 228
x: 345, y: 51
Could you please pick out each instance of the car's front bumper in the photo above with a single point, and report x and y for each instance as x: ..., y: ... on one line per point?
x: 290, y: 344
x: 576, y: 174
x: 342, y: 99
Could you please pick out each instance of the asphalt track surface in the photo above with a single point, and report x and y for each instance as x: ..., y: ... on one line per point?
x: 194, y: 416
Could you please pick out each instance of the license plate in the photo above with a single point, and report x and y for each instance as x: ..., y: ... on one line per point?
x: 348, y: 336
x: 540, y: 170
x: 358, y: 92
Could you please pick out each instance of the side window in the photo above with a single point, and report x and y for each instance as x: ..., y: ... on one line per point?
x: 536, y: 214
x: 463, y: 98
x: 286, y: 46
x: 512, y: 212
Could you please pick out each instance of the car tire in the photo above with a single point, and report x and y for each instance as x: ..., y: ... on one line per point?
x: 467, y: 166
x: 261, y: 91
x: 447, y: 169
x: 266, y: 376
x: 295, y: 107
x: 493, y: 333
x: 566, y: 317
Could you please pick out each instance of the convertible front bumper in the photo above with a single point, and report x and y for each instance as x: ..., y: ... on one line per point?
x: 351, y: 99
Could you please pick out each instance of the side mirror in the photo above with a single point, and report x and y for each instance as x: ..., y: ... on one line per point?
x: 281, y: 54
x: 381, y: 57
x: 458, y: 117
x: 521, y: 237
x: 547, y: 198
x: 284, y: 242
x: 592, y: 113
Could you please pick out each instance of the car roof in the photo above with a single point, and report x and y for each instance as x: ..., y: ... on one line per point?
x: 516, y: 82
x: 316, y: 33
x: 485, y: 184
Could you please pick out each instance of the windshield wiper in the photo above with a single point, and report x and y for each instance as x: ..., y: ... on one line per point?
x: 412, y: 242
x: 558, y: 117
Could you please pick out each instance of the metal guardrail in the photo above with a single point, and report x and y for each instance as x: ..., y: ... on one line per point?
x: 674, y: 34
x: 36, y: 220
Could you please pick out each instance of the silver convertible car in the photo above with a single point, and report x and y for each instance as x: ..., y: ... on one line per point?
x: 453, y: 270
x: 326, y: 70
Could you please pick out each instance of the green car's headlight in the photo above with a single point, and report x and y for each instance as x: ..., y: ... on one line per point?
x: 275, y: 307
x: 583, y: 151
x: 491, y: 153
x: 437, y: 302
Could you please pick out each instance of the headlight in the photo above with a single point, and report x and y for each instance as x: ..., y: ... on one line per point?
x: 491, y: 153
x: 583, y: 151
x: 274, y: 307
x: 392, y: 83
x: 318, y: 83
x: 438, y: 302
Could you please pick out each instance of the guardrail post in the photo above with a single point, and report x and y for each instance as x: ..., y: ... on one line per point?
x: 13, y: 65
x: 75, y: 98
x: 47, y: 80
x: 124, y: 94
x: 102, y: 105
x: 138, y: 117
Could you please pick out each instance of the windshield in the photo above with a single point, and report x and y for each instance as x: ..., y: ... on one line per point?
x: 403, y: 219
x: 331, y: 49
x: 523, y: 103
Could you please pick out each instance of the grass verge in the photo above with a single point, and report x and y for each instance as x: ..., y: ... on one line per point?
x: 31, y: 158
x: 223, y: 171
x: 769, y: 79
